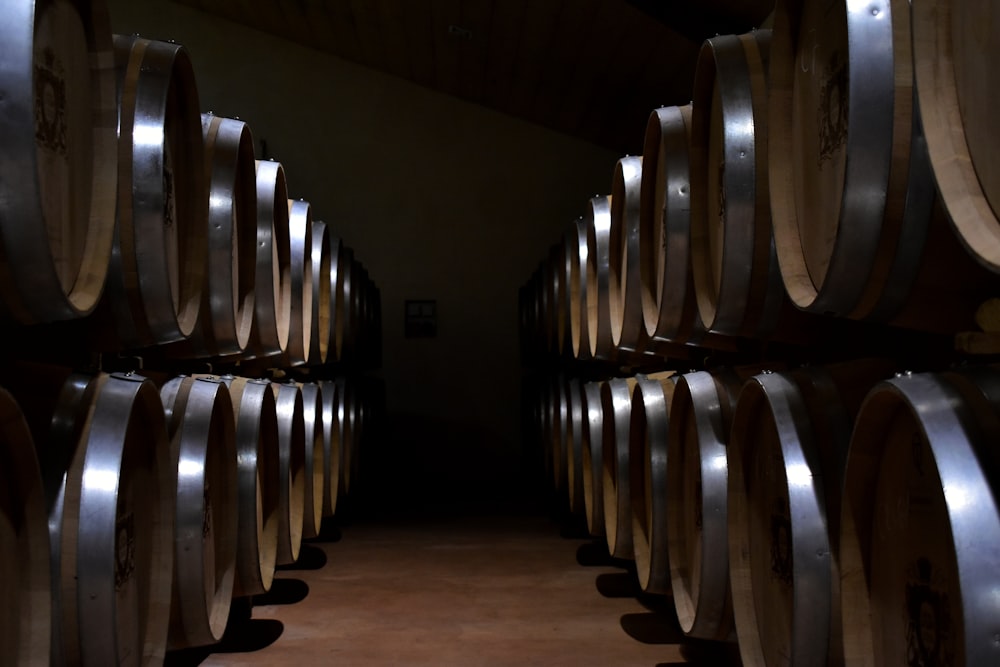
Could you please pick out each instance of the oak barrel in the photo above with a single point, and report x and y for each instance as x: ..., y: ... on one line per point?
x: 616, y: 403
x: 315, y: 465
x: 202, y: 432
x: 58, y: 174
x: 291, y: 470
x: 593, y: 458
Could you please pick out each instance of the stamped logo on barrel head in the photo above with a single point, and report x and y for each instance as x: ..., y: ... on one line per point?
x: 832, y: 111
x: 124, y: 549
x: 929, y: 636
x: 781, y: 542
x: 50, y: 102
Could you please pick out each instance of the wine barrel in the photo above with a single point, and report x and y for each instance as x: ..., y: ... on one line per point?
x: 787, y: 451
x: 258, y: 482
x: 574, y: 445
x: 111, y: 520
x: 576, y: 249
x: 616, y: 404
x: 697, y: 490
x: 648, y: 470
x: 158, y: 264
x: 737, y: 281
x: 58, y: 176
x: 351, y: 285
x: 26, y: 584
x: 225, y: 316
x: 880, y: 248
x: 346, y: 400
x: 316, y: 466
x: 593, y: 458
x: 921, y: 522
x: 338, y: 317
x: 668, y: 305
x: 273, y: 287
x: 953, y: 42
x: 291, y: 470
x: 598, y: 221
x: 556, y: 316
x: 332, y: 451
x: 323, y: 297
x: 625, y: 295
x: 202, y: 432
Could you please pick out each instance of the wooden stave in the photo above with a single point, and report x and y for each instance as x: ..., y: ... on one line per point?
x: 316, y: 465
x: 593, y: 459
x: 323, y: 302
x: 199, y: 416
x: 648, y: 470
x: 291, y: 470
x: 705, y: 400
x: 810, y: 412
x: 877, y: 156
x: 956, y: 416
x: 257, y: 456
x: 616, y: 402
x: 331, y: 447
x: 968, y: 203
x: 107, y: 442
x: 31, y: 291
x: 142, y: 312
x: 29, y: 619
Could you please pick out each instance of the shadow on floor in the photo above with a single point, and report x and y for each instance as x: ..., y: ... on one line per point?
x: 283, y: 591
x: 242, y: 636
x: 310, y: 558
x: 703, y: 653
x: 618, y: 585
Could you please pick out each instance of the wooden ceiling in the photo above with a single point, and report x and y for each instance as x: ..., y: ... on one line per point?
x: 593, y: 69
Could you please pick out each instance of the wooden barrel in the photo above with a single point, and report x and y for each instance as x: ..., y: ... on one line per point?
x: 697, y: 490
x: 616, y: 404
x: 346, y: 400
x: 350, y: 285
x: 574, y: 445
x: 57, y: 183
x: 560, y: 433
x: 227, y: 295
x: 668, y: 304
x: 332, y: 451
x: 337, y: 314
x: 737, y: 282
x: 26, y: 585
x: 273, y: 286
x: 300, y: 236
x: 598, y: 221
x: 921, y: 522
x: 555, y: 316
x: 625, y: 291
x: 258, y: 482
x: 323, y: 296
x: 786, y: 458
x: 291, y: 470
x: 111, y: 520
x: 316, y: 466
x: 576, y: 244
x: 593, y: 458
x: 648, y: 469
x: 953, y: 41
x: 159, y: 261
x: 851, y: 189
x: 202, y: 432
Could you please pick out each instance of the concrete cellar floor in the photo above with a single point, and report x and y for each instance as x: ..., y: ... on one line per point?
x: 469, y: 591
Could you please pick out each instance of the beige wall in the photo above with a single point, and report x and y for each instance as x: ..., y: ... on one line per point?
x: 441, y: 199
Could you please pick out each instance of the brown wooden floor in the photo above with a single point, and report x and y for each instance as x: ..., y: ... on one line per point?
x: 457, y: 591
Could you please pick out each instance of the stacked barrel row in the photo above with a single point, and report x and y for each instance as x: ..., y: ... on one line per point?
x: 134, y: 511
x: 826, y: 197
x: 150, y: 226
x: 826, y: 515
